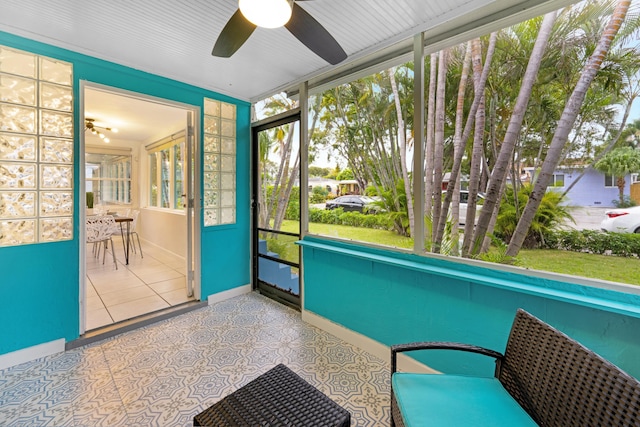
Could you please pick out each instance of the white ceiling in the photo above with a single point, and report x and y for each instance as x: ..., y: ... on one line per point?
x: 174, y: 38
x: 137, y: 120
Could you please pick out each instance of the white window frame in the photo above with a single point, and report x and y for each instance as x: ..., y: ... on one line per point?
x: 121, y: 156
x: 555, y: 180
x: 613, y: 181
x: 175, y: 202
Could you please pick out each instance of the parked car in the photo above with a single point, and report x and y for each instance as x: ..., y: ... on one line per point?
x: 464, y: 198
x: 350, y: 203
x: 623, y: 220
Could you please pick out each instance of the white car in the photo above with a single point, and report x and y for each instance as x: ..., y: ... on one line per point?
x: 464, y: 198
x: 623, y: 220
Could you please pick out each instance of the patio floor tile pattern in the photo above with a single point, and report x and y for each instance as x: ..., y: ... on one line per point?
x: 164, y: 374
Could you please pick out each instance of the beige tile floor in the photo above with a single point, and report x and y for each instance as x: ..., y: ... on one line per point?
x: 147, y: 284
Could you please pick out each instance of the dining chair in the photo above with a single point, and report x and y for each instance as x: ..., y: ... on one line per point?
x: 132, y: 231
x: 99, y: 231
x: 114, y: 230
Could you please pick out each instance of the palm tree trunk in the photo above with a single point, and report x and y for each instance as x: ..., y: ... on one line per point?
x: 465, y: 136
x: 500, y: 169
x: 428, y: 152
x: 476, y: 154
x: 458, y: 145
x: 402, y: 137
x: 620, y: 182
x: 439, y: 137
x: 568, y: 118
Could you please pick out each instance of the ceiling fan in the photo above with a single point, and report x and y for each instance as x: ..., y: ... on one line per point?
x: 89, y: 125
x: 274, y: 14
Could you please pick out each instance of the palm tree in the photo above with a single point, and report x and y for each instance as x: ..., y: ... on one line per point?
x: 466, y: 133
x: 402, y: 137
x: 619, y: 163
x: 501, y: 168
x: 631, y: 133
x: 565, y: 125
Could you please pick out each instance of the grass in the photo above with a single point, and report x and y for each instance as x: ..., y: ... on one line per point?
x: 378, y: 237
x: 603, y: 267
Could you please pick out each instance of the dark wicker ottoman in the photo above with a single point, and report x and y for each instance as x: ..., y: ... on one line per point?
x: 278, y: 397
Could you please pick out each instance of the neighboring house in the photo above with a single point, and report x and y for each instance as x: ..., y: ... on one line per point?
x: 593, y: 189
x: 464, y: 181
x: 348, y: 186
x: 331, y: 185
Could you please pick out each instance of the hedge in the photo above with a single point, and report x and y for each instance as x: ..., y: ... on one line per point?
x: 352, y: 219
x: 596, y: 242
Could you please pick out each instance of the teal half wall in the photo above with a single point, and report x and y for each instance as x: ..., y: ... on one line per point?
x: 39, y: 284
x: 396, y: 298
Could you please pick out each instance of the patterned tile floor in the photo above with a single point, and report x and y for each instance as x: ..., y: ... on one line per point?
x: 164, y: 374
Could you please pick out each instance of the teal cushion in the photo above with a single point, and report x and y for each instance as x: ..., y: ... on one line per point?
x: 455, y: 400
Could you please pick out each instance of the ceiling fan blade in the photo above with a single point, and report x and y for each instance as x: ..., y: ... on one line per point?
x: 314, y: 36
x: 233, y: 35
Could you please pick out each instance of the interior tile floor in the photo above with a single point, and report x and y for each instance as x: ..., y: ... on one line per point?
x: 166, y: 373
x: 150, y: 283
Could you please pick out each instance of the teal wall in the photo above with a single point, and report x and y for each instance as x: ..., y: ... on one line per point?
x: 39, y: 286
x: 396, y: 298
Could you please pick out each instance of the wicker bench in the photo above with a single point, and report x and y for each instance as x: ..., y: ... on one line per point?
x: 544, y: 378
x: 279, y: 397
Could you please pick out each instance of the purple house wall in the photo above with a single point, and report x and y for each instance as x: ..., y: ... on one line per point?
x: 590, y: 190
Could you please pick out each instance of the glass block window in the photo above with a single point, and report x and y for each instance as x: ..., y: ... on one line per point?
x: 36, y: 148
x: 219, y: 163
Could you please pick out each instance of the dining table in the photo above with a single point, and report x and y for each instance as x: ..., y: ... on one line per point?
x: 124, y: 220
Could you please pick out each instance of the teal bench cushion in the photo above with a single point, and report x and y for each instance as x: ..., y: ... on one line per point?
x: 456, y: 400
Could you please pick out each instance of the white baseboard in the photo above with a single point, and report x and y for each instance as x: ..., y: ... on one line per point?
x: 405, y: 363
x: 31, y: 353
x: 231, y: 293
x: 168, y: 252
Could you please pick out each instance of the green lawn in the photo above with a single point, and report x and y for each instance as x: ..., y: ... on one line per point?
x: 610, y: 268
x: 378, y: 237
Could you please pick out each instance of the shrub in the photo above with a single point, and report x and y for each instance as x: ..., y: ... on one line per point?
x: 353, y: 219
x: 595, y: 242
x: 293, y: 207
x: 318, y: 195
x: 627, y: 202
x: 550, y: 215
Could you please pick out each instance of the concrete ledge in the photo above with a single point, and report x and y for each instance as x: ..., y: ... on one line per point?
x: 565, y: 294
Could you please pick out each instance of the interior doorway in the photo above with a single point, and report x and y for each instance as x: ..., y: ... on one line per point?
x: 138, y: 161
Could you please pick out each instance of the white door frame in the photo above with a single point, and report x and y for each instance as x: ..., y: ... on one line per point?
x: 193, y: 209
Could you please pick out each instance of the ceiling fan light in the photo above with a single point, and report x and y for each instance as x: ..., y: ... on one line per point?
x: 266, y: 13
